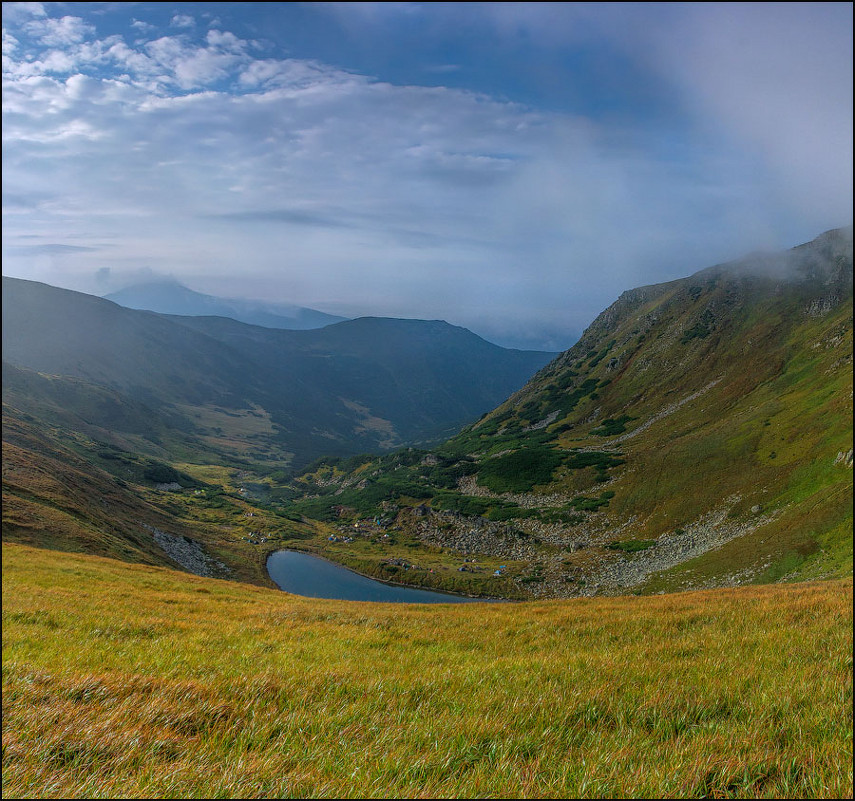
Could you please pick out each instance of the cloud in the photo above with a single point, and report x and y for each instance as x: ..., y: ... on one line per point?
x: 225, y: 40
x: 296, y: 180
x: 10, y: 43
x: 143, y: 27
x: 59, y: 32
x: 182, y: 21
x: 21, y: 12
x: 780, y: 82
x: 299, y: 217
x: 51, y: 249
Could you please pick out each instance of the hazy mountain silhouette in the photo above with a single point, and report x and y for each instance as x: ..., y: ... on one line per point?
x: 171, y: 297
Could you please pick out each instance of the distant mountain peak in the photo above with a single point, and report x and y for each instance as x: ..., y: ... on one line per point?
x: 167, y: 295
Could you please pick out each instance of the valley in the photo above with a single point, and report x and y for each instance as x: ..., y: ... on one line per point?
x: 669, y: 502
x: 427, y: 400
x: 665, y: 451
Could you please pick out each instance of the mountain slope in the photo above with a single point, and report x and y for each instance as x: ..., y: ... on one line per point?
x: 414, y: 372
x: 699, y: 433
x: 171, y: 297
x: 54, y: 498
x: 233, y: 391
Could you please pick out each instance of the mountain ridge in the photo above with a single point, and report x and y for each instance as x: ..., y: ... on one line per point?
x: 298, y: 392
x: 698, y: 435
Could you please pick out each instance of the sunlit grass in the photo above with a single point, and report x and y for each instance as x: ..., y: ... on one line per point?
x: 122, y: 680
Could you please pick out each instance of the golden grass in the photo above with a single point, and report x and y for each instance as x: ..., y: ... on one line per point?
x: 129, y: 681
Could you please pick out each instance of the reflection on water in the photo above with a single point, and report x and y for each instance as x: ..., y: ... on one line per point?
x: 302, y: 574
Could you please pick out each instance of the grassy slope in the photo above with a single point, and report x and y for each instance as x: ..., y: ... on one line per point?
x: 725, y: 391
x: 65, y: 491
x: 767, y: 434
x: 48, y: 494
x: 128, y: 681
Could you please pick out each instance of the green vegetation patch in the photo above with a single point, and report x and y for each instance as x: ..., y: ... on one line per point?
x: 519, y: 471
x: 612, y: 425
x: 364, y: 500
x: 700, y: 330
x: 583, y: 503
x: 601, y: 355
x: 160, y: 473
x: 448, y: 471
x: 465, y: 504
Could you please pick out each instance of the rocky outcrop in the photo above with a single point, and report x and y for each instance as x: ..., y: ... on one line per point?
x: 189, y: 554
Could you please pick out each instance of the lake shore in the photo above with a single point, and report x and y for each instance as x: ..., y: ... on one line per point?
x: 387, y: 582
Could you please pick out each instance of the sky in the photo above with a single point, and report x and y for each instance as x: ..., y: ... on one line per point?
x: 511, y: 168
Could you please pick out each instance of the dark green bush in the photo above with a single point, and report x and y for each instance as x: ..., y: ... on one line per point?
x: 611, y: 426
x: 160, y: 473
x: 631, y: 546
x: 519, y: 471
x: 465, y: 504
x: 585, y: 504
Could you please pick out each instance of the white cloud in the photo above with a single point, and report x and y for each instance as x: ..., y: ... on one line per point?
x: 780, y: 80
x: 19, y: 12
x: 10, y: 43
x: 59, y: 32
x: 226, y: 41
x: 182, y: 21
x: 143, y: 27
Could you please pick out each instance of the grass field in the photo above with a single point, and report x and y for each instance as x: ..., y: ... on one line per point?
x: 128, y: 681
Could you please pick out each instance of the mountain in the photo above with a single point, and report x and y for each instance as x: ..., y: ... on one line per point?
x: 698, y: 434
x: 412, y: 372
x: 171, y: 297
x: 219, y: 389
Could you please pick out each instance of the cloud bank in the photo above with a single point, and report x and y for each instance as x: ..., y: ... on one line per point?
x: 190, y: 149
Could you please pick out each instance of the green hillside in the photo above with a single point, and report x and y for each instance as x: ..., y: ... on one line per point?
x: 698, y: 434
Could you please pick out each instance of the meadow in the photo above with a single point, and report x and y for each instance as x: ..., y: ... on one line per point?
x: 124, y: 680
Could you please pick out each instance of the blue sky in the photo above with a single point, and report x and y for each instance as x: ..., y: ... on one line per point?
x: 507, y: 167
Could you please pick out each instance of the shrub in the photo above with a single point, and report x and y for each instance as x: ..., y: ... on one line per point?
x: 585, y: 504
x: 519, y: 471
x: 465, y: 504
x: 160, y: 473
x: 612, y: 426
x: 599, y: 357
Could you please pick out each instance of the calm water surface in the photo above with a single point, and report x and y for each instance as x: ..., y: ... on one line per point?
x: 302, y: 574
